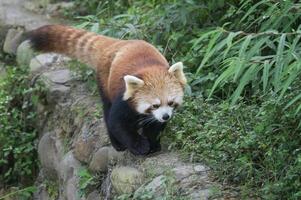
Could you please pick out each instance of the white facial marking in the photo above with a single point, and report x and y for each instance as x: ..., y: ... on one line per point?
x: 157, y: 101
x: 142, y: 107
x: 160, y: 112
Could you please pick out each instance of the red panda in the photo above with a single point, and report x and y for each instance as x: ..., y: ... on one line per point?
x: 138, y: 88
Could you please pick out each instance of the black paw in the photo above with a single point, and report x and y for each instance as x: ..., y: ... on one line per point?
x: 140, y: 147
x: 117, y: 145
x: 155, y: 147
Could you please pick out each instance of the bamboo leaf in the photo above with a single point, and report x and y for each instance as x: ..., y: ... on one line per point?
x: 230, y: 38
x: 209, y: 51
x: 279, y: 63
x: 251, y: 10
x: 290, y: 103
x: 245, y: 79
x: 265, y: 74
x: 225, y: 75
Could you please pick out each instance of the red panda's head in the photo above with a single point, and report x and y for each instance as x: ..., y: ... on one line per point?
x: 157, y: 92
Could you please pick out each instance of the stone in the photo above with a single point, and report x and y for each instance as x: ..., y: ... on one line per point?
x: 49, y: 155
x: 102, y: 132
x: 155, y: 187
x: 115, y: 156
x: 95, y: 195
x: 157, y: 164
x: 44, y: 61
x: 62, y: 76
x: 41, y: 194
x: 182, y: 172
x: 104, y: 157
x: 200, y: 195
x: 200, y: 168
x: 68, y: 167
x: 24, y: 53
x: 2, y: 70
x: 12, y: 40
x: 72, y: 192
x: 3, y: 32
x: 83, y: 148
x: 56, y: 84
x: 57, y: 94
x: 126, y: 180
x: 13, y: 13
x: 58, y: 8
x: 100, y: 162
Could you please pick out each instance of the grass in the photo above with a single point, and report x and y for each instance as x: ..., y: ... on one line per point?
x: 254, y: 147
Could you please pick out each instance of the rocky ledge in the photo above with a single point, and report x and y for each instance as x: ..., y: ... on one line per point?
x: 74, y: 145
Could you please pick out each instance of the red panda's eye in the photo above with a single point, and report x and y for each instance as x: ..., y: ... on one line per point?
x: 171, y: 103
x: 155, y: 106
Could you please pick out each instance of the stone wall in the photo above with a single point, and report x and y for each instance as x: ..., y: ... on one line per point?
x: 76, y: 158
x: 73, y: 139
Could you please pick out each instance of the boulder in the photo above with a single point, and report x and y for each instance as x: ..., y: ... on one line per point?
x: 49, y: 155
x: 2, y: 70
x: 56, y: 82
x: 126, y: 180
x: 62, y: 76
x: 83, y: 148
x: 100, y: 161
x: 155, y: 188
x: 72, y: 192
x: 68, y: 167
x: 44, y: 61
x: 24, y: 53
x: 12, y: 40
x: 58, y: 8
x: 95, y: 195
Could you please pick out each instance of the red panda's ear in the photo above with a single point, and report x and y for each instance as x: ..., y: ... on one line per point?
x: 177, y: 70
x: 132, y: 83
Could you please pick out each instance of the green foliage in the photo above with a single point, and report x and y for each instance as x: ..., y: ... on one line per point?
x: 84, y: 73
x: 18, y: 157
x: 251, y: 146
x: 86, y: 180
x: 22, y: 194
x: 52, y: 188
x: 244, y: 58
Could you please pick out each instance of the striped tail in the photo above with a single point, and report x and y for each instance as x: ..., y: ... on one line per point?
x: 80, y: 44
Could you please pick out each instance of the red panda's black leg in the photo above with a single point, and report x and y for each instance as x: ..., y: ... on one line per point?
x: 122, y: 127
x: 136, y: 144
x: 106, y: 113
x: 115, y: 143
x: 152, y: 132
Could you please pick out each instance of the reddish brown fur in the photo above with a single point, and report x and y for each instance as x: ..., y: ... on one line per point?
x: 112, y: 58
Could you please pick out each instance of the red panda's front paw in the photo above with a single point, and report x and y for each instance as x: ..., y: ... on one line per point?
x: 141, y: 147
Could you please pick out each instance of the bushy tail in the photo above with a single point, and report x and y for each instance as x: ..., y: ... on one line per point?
x: 80, y: 44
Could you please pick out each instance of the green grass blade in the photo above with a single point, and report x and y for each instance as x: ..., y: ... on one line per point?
x: 245, y: 79
x: 279, y: 63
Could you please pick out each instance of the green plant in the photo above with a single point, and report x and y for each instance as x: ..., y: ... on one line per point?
x: 244, y: 58
x: 255, y: 147
x: 86, y: 180
x: 84, y: 73
x: 52, y: 188
x: 264, y: 57
x: 18, y: 157
x: 25, y: 193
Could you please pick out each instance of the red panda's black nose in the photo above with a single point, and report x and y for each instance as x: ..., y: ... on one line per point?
x: 165, y: 117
